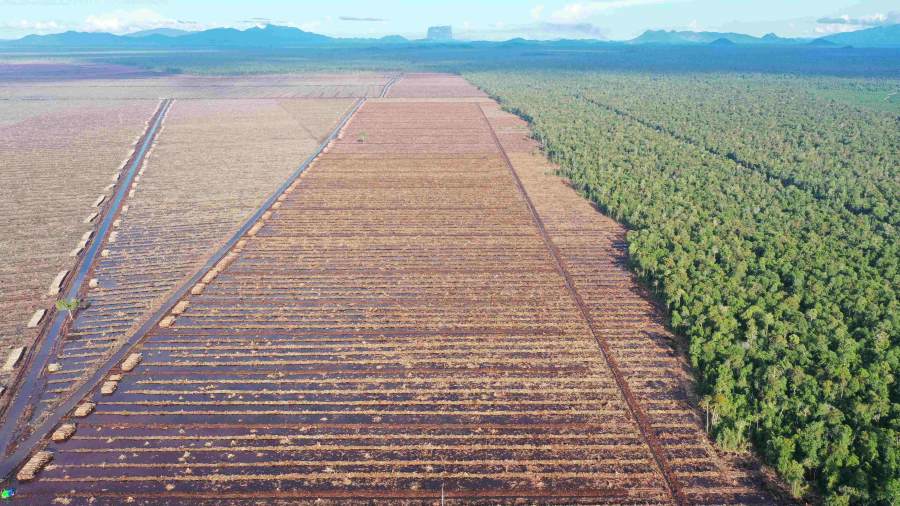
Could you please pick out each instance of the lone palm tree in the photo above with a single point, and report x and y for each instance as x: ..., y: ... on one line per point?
x: 69, y: 306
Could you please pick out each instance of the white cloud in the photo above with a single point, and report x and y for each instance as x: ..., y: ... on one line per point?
x: 536, y: 12
x: 582, y: 10
x: 830, y: 28
x: 118, y: 22
x: 122, y: 21
x: 873, y: 20
x: 309, y: 26
x: 539, y: 30
x: 32, y: 26
x: 845, y: 23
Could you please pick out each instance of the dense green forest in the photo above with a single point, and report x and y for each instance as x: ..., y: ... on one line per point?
x: 763, y: 212
x: 829, y: 149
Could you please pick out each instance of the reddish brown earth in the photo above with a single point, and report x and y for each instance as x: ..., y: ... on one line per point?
x: 427, y: 313
x: 56, y: 159
x: 229, y: 144
x: 249, y: 147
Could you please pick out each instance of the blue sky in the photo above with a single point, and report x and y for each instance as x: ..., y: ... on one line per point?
x: 471, y: 19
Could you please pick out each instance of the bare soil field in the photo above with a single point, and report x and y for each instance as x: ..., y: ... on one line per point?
x: 431, y: 86
x: 56, y: 159
x: 426, y: 316
x: 213, y: 164
x: 63, y: 141
x: 200, y: 87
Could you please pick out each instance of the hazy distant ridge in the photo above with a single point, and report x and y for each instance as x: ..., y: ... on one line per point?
x: 686, y: 37
x: 882, y: 36
x: 281, y: 36
x: 167, y: 32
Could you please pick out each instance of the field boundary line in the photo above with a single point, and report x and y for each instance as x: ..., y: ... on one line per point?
x: 31, y: 443
x: 634, y: 407
x: 388, y: 85
x: 31, y: 376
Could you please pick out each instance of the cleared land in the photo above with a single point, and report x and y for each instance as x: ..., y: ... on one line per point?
x: 63, y: 141
x: 425, y: 313
x: 57, y: 159
x: 213, y: 164
x: 185, y: 87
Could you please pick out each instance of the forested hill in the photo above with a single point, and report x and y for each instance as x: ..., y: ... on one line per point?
x: 764, y: 214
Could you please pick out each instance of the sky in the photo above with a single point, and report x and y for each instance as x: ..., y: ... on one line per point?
x: 470, y: 19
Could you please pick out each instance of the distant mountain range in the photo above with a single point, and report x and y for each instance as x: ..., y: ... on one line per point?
x: 281, y: 36
x: 167, y: 32
x: 256, y: 37
x: 674, y: 37
x: 881, y: 36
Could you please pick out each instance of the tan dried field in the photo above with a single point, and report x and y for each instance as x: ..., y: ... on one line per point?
x: 213, y: 164
x: 56, y: 158
x: 62, y: 141
x: 426, y: 315
x: 350, y: 85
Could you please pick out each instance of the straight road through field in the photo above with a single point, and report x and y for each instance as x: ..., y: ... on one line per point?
x: 32, y: 380
x: 410, y: 324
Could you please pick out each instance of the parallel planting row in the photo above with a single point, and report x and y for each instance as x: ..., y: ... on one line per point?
x: 400, y: 326
x: 214, y: 163
x: 59, y: 162
x: 765, y: 224
x: 65, y: 143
